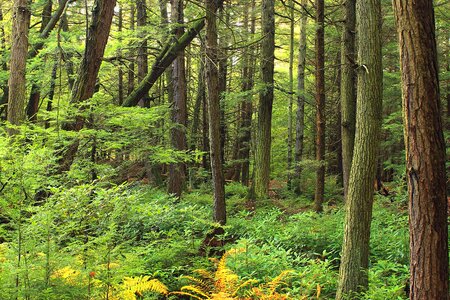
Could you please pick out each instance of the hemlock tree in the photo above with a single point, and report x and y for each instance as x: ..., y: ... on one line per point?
x: 177, y: 172
x: 348, y: 95
x: 212, y: 84
x: 260, y: 186
x: 320, y: 104
x: 425, y: 150
x: 353, y: 277
x: 18, y: 60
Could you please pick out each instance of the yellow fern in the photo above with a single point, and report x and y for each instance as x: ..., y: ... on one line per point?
x: 137, y: 286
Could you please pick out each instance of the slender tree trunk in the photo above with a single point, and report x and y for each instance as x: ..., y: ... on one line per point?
x: 197, y: 106
x: 301, y: 96
x: 67, y: 57
x: 247, y: 105
x: 120, y: 73
x: 263, y: 130
x: 205, y: 134
x: 353, y: 276
x: 142, y: 59
x: 291, y: 93
x: 17, y: 86
x: 320, y: 105
x: 84, y: 85
x: 425, y: 150
x: 51, y: 93
x: 35, y: 95
x: 348, y: 91
x: 4, y: 66
x: 177, y: 172
x: 212, y: 83
x: 223, y: 72
x: 130, y: 85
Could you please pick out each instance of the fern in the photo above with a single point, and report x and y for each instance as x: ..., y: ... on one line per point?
x: 137, y: 286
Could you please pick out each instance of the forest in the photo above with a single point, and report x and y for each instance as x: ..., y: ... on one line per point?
x: 221, y: 149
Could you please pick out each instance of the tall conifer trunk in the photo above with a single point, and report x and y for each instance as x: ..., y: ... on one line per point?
x: 19, y: 49
x: 320, y: 104
x: 177, y: 172
x: 353, y: 272
x: 425, y: 150
x: 260, y: 186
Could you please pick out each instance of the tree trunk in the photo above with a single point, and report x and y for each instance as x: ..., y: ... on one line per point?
x: 320, y: 105
x: 425, y: 150
x: 291, y: 93
x: 4, y: 83
x: 247, y: 104
x: 35, y: 96
x: 353, y: 276
x: 120, y: 73
x: 212, y: 83
x: 177, y: 171
x: 142, y: 59
x: 348, y: 91
x: 19, y: 49
x: 300, y: 120
x: 223, y: 72
x: 84, y: 85
x: 263, y: 130
x: 51, y: 93
x: 130, y: 84
x: 197, y: 106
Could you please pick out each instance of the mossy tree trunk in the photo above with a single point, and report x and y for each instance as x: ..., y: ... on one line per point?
x: 425, y: 150
x: 320, y: 104
x: 348, y: 90
x: 300, y: 115
x: 177, y: 171
x: 260, y: 186
x: 353, y: 276
x: 212, y: 83
x: 17, y: 86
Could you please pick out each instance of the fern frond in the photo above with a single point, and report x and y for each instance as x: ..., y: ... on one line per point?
x: 277, y: 281
x: 187, y: 294
x: 204, y: 285
x: 244, y: 284
x: 195, y: 290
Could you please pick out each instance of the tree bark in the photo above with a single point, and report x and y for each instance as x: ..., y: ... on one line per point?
x: 212, y: 83
x: 320, y: 105
x: 35, y: 95
x: 348, y: 91
x: 177, y: 171
x: 19, y: 48
x: 130, y: 84
x: 353, y: 276
x: 263, y: 130
x: 142, y: 59
x: 291, y: 93
x: 4, y: 66
x: 301, y: 96
x: 120, y: 72
x: 425, y: 150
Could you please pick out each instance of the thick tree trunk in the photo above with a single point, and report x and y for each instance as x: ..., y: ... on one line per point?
x: 263, y: 130
x: 223, y: 72
x: 177, y: 172
x: 300, y: 118
x: 320, y: 105
x: 425, y: 150
x: 348, y: 91
x: 19, y: 49
x: 212, y: 82
x: 353, y: 275
x: 120, y: 73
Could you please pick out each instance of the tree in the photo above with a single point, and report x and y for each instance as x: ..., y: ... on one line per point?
x: 353, y: 277
x: 300, y: 115
x: 177, y: 172
x: 212, y: 83
x: 348, y: 91
x: 263, y: 129
x: 320, y: 104
x: 291, y: 90
x: 18, y: 60
x: 142, y: 59
x: 425, y: 150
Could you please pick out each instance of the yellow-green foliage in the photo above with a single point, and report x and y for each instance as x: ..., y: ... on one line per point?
x: 137, y: 286
x: 224, y: 284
